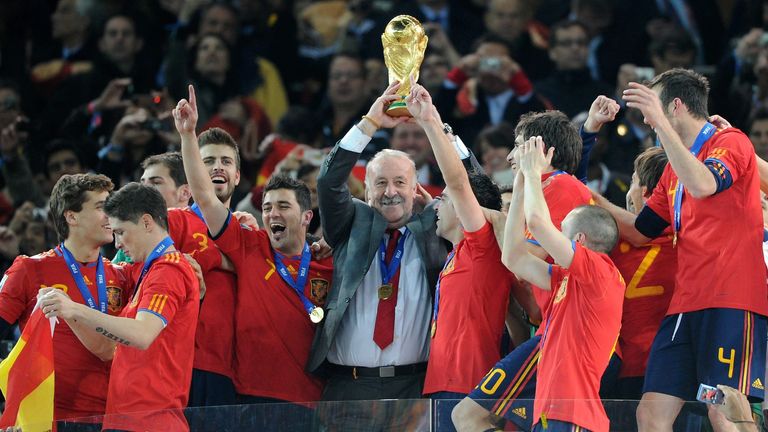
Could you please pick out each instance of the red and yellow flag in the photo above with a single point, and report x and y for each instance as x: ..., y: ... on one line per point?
x: 26, y: 378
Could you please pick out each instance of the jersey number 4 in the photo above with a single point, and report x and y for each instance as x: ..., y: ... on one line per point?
x: 634, y: 290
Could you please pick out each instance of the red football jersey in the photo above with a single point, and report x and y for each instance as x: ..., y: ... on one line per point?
x: 719, y: 252
x: 562, y: 193
x: 581, y: 331
x: 274, y: 332
x: 214, y: 338
x: 154, y: 383
x: 649, y: 271
x: 474, y: 294
x: 81, y: 377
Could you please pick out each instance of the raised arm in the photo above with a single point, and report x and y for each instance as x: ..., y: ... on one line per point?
x: 334, y: 199
x: 514, y: 254
x: 624, y: 219
x: 603, y: 110
x: 532, y: 162
x: 214, y: 211
x: 697, y: 177
x: 420, y: 105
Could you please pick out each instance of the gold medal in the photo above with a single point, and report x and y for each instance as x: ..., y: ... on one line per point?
x: 317, y: 314
x: 674, y: 239
x: 434, y: 328
x: 385, y: 291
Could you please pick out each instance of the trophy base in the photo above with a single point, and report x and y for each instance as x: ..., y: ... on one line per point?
x: 398, y: 109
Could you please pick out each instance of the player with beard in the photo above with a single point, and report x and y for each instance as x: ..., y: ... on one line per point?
x: 281, y: 288
x: 77, y: 210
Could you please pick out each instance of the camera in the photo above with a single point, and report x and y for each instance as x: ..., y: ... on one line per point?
x: 156, y: 125
x: 489, y: 64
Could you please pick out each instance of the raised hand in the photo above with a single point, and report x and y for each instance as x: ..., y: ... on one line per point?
x: 185, y: 114
x: 112, y: 95
x: 719, y: 122
x: 648, y: 102
x: 603, y: 110
x: 377, y: 112
x: 419, y: 102
x: 532, y: 159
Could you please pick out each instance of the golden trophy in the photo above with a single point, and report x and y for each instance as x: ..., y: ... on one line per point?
x: 404, y: 42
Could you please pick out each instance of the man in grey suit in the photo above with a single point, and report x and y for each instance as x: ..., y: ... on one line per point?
x: 374, y: 341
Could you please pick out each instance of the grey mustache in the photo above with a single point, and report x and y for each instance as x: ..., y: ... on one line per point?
x: 397, y: 199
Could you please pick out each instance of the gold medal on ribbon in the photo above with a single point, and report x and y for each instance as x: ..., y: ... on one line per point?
x: 385, y: 291
x: 434, y: 328
x: 316, y: 315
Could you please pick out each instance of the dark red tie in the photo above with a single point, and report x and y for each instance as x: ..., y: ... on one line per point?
x: 384, y: 332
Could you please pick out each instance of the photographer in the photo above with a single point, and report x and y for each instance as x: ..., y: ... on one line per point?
x: 487, y: 87
x: 138, y: 134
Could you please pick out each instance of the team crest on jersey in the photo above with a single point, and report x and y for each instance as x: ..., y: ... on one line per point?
x: 318, y: 290
x: 114, y: 298
x: 562, y: 291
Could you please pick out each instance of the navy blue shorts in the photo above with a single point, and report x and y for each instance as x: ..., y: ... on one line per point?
x: 558, y: 426
x: 509, y: 388
x: 711, y: 346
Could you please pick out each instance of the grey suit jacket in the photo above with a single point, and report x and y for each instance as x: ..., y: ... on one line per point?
x: 354, y: 230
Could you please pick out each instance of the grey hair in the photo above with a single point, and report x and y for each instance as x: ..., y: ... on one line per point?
x: 384, y: 154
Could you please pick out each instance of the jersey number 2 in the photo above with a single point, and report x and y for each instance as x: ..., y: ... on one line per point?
x: 635, y: 291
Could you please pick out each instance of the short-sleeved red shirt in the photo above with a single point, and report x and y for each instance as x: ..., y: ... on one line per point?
x: 719, y: 246
x: 274, y: 332
x: 580, y: 334
x: 562, y: 193
x: 81, y: 377
x: 214, y: 338
x: 154, y: 383
x: 474, y: 294
x: 649, y: 272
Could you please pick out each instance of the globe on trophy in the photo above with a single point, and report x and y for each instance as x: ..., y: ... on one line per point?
x: 404, y: 41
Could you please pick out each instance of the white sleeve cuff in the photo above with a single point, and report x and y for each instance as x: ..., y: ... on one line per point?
x: 355, y: 140
x: 461, y: 149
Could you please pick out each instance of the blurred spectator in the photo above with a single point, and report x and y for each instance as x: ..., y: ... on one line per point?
x: 253, y: 75
x: 734, y: 71
x: 29, y: 224
x: 411, y: 138
x: 211, y: 70
x: 346, y: 102
x: 492, y: 146
x: 621, y: 140
x: 757, y: 130
x: 61, y: 157
x: 570, y: 87
x: 613, y: 41
x: 73, y: 49
x: 511, y: 21
x: 486, y: 87
x: 117, y: 74
x: 134, y: 139
x: 457, y: 21
x: 671, y: 49
x: 434, y: 70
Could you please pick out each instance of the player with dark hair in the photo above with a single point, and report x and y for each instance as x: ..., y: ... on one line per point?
x: 588, y: 291
x: 165, y: 172
x: 76, y: 268
x: 511, y: 398
x: 281, y: 288
x: 710, y: 186
x: 473, y: 289
x: 649, y: 271
x: 151, y: 343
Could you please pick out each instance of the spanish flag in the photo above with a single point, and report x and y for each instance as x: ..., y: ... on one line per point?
x: 26, y: 377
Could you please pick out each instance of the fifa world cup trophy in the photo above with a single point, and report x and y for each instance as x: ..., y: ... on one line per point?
x: 404, y: 42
